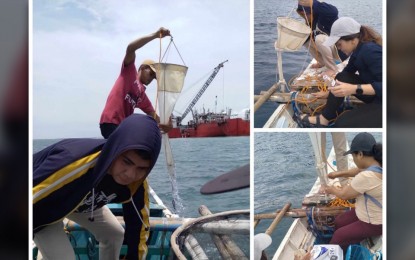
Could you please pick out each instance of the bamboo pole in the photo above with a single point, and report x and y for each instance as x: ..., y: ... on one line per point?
x: 286, y: 97
x: 226, y: 246
x: 194, y: 249
x: 265, y: 97
x: 224, y: 227
x: 277, y: 219
x: 256, y: 222
x: 178, y: 232
x: 300, y: 213
x: 219, y: 227
x: 274, y: 224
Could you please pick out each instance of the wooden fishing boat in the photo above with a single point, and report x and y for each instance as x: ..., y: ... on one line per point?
x: 301, y: 235
x: 295, y: 97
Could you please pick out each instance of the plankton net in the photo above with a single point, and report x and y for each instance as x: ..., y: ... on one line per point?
x: 170, y: 81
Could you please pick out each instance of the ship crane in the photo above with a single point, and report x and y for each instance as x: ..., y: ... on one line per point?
x: 201, y: 91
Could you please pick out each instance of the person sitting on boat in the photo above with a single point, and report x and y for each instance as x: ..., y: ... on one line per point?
x: 322, y: 15
x: 365, y: 220
x: 129, y: 89
x: 76, y: 178
x: 364, y: 45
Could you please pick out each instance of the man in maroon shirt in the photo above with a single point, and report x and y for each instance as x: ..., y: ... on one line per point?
x: 129, y: 89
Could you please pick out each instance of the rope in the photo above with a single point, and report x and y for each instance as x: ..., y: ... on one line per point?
x: 337, y: 202
x: 158, y: 78
x: 161, y: 58
x: 322, y: 232
x: 178, y: 51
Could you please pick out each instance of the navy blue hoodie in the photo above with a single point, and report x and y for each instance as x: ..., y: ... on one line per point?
x: 324, y: 16
x: 64, y: 173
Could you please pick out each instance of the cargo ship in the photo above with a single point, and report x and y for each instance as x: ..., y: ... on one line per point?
x: 209, y: 124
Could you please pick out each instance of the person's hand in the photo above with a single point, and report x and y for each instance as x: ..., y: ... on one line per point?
x: 326, y: 189
x: 163, y: 32
x: 165, y: 128
x: 322, y: 189
x: 332, y: 175
x: 307, y: 256
x: 321, y: 94
x: 303, y: 254
x: 342, y: 89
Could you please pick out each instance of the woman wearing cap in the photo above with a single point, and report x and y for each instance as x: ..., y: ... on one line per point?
x: 365, y: 220
x: 365, y: 47
x: 129, y: 89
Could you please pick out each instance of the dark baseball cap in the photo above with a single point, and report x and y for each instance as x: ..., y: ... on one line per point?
x: 362, y: 142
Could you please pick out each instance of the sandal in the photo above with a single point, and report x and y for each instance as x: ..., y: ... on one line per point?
x: 305, y: 122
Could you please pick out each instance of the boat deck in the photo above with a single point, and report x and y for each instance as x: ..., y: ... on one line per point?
x: 299, y: 236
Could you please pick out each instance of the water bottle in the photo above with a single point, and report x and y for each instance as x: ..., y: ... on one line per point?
x: 329, y: 81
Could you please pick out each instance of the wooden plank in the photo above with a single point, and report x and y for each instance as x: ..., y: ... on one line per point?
x: 194, y: 248
x: 277, y: 219
x: 233, y: 180
x: 286, y: 97
x: 226, y: 246
x: 300, y: 213
x: 265, y: 97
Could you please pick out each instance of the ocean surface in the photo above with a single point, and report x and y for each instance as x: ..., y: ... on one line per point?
x: 284, y: 172
x: 197, y: 161
x: 367, y: 12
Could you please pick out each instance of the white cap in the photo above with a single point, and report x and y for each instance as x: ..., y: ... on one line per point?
x: 343, y: 26
x: 261, y: 242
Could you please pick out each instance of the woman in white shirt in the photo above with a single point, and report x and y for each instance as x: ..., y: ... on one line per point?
x: 365, y: 220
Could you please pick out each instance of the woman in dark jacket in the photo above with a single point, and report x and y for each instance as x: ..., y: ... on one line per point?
x: 76, y: 178
x: 365, y: 47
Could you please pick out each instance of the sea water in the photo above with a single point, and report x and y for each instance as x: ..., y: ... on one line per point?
x: 367, y: 12
x: 197, y: 161
x: 284, y: 172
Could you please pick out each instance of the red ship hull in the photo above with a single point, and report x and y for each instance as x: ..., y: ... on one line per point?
x: 230, y: 127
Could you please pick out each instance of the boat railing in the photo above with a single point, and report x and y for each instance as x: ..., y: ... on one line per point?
x: 228, y: 231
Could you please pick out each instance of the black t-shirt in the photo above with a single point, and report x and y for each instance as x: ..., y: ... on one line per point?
x: 107, y: 191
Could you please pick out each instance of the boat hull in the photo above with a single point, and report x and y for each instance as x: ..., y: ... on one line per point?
x: 229, y: 127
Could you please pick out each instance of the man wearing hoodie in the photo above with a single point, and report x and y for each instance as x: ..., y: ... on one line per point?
x: 129, y: 89
x: 76, y: 178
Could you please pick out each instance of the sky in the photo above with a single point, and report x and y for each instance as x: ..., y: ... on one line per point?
x: 78, y: 48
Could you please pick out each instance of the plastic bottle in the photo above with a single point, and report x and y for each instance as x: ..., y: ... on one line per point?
x: 329, y: 81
